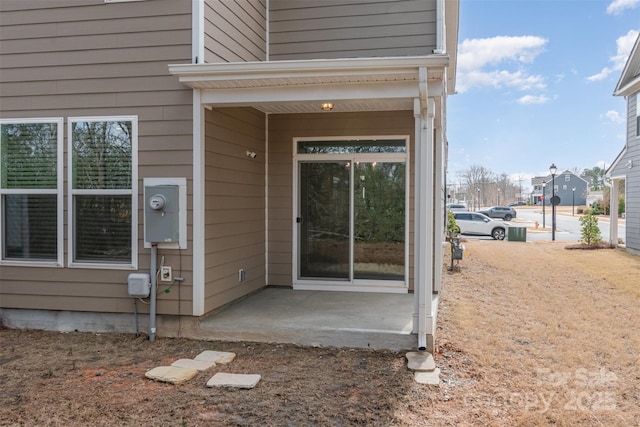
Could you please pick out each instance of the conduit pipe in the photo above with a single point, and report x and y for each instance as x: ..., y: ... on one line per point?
x: 152, y: 307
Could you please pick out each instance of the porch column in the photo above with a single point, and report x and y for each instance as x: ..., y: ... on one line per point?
x: 423, y: 323
x: 613, y: 212
x: 198, y: 205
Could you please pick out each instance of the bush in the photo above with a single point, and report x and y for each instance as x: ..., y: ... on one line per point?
x: 597, y: 208
x: 621, y: 207
x: 590, y: 230
x: 452, y: 228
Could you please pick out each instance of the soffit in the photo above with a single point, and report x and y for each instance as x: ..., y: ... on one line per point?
x: 299, y: 86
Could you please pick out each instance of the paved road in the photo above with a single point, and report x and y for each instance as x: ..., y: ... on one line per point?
x: 568, y: 227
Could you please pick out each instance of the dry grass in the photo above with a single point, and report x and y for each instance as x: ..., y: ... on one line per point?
x: 530, y: 334
x: 552, y: 333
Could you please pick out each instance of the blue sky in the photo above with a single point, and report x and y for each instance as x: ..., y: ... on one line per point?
x: 535, y: 83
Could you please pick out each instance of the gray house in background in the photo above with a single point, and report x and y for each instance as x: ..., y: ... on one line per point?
x: 272, y: 129
x: 569, y: 187
x: 626, y: 166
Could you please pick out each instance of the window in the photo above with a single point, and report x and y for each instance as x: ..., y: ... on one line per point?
x: 567, y: 178
x: 31, y: 200
x: 102, y: 187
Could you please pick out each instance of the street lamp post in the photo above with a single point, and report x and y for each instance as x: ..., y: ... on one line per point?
x: 544, y: 216
x: 478, y: 198
x: 498, y: 197
x: 573, y: 201
x: 553, y: 169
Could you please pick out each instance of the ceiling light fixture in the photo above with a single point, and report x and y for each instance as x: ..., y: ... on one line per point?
x: 326, y: 106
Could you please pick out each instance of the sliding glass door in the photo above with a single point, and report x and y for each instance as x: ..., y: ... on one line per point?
x: 351, y: 215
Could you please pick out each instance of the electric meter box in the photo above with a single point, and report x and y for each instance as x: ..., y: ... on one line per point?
x: 161, y: 214
x: 139, y: 285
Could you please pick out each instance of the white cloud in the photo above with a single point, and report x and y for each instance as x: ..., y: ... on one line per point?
x: 624, y: 46
x: 613, y: 117
x: 617, y: 6
x: 531, y: 99
x: 497, y: 62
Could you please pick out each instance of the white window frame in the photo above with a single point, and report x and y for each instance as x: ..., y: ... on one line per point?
x: 59, y: 262
x: 351, y: 285
x: 133, y: 192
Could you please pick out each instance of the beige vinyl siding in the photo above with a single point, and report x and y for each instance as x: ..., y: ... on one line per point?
x: 235, y: 31
x: 282, y: 129
x: 235, y: 204
x: 70, y: 58
x: 350, y: 28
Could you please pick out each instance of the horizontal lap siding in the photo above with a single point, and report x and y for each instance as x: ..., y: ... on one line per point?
x: 235, y: 30
x: 632, y: 177
x: 65, y: 58
x: 350, y: 28
x: 234, y: 204
x: 282, y: 129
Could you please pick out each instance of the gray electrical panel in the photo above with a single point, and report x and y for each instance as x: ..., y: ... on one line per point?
x: 161, y: 214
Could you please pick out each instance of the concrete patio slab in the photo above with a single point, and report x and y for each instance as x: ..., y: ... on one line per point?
x: 315, y: 318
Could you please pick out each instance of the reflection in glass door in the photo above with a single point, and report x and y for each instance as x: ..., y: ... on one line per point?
x: 324, y: 250
x: 352, y: 220
x: 379, y: 221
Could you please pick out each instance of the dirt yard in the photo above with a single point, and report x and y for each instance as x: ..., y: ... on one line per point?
x: 530, y: 334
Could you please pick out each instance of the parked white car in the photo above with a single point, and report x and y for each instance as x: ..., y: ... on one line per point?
x: 477, y: 224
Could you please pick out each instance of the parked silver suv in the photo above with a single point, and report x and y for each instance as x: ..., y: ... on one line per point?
x: 503, y: 212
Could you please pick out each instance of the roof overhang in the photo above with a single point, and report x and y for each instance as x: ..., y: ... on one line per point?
x: 629, y: 82
x: 358, y: 84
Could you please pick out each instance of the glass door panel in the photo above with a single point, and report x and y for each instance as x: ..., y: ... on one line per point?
x: 379, y: 221
x: 324, y: 226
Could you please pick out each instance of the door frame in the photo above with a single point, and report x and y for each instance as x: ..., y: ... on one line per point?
x: 350, y: 285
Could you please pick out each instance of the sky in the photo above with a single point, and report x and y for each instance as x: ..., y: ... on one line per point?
x: 534, y: 85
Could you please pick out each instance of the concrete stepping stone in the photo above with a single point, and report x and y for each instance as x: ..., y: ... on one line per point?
x: 430, y: 378
x: 171, y: 374
x: 222, y: 379
x: 198, y: 365
x: 420, y: 361
x: 219, y: 357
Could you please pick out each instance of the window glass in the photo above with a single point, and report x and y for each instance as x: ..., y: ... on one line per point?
x: 103, y: 228
x: 29, y: 189
x: 101, y: 187
x: 359, y: 146
x: 102, y: 155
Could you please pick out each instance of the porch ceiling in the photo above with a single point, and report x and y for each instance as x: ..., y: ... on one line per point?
x: 361, y: 84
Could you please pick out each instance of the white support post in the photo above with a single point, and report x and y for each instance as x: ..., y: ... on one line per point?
x: 198, y: 205
x: 613, y: 211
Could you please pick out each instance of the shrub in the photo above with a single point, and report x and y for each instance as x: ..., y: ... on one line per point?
x: 590, y: 230
x: 452, y: 228
x: 621, y: 207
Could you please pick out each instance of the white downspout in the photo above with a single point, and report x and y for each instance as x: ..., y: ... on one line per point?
x: 424, y: 232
